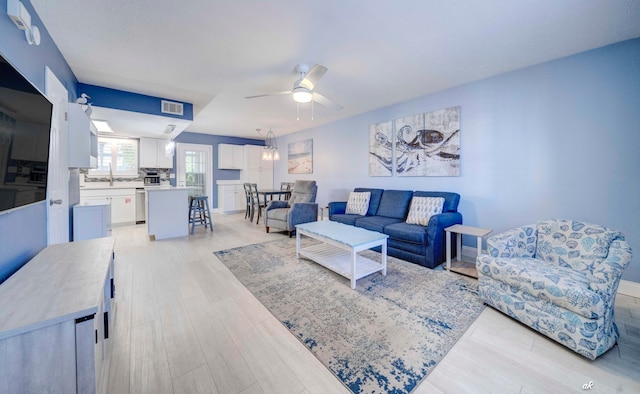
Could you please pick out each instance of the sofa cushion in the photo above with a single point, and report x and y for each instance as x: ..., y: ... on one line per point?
x: 542, y: 280
x: 346, y: 219
x: 394, y: 204
x: 358, y: 203
x: 374, y: 201
x: 451, y: 200
x: 422, y: 208
x: 571, y: 243
x: 376, y: 223
x: 406, y: 232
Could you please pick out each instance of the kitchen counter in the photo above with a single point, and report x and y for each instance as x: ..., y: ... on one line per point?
x: 167, y: 212
x: 121, y: 185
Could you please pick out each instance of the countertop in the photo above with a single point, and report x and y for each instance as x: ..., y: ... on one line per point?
x: 121, y: 185
x: 41, y: 294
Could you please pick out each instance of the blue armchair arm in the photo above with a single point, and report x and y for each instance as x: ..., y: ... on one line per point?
x: 302, y: 212
x: 338, y: 207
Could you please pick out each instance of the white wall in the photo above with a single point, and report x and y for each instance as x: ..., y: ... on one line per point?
x: 556, y: 140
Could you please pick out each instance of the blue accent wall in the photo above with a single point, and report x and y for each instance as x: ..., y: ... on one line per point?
x: 23, y: 231
x: 214, y: 140
x: 127, y: 101
x: 556, y: 140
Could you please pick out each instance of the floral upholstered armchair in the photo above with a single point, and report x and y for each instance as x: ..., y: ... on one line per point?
x: 559, y: 277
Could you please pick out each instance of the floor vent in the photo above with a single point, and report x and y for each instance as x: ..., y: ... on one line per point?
x: 171, y: 107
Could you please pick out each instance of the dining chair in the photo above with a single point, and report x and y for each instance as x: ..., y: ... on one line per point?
x: 255, y: 202
x: 247, y: 195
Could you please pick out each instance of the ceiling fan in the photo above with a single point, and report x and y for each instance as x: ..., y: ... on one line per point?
x: 303, y: 88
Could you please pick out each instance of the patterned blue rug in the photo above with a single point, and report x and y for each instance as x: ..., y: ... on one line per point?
x: 385, y: 336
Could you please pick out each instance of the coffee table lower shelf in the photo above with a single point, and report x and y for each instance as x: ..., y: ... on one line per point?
x: 339, y: 261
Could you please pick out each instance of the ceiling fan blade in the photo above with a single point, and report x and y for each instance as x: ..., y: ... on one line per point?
x: 313, y: 76
x: 325, y: 102
x: 269, y: 94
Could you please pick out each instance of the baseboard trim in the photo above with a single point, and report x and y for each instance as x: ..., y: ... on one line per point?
x: 625, y: 287
x: 629, y: 288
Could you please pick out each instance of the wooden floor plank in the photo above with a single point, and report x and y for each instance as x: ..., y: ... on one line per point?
x: 149, y: 363
x: 229, y: 369
x: 245, y: 350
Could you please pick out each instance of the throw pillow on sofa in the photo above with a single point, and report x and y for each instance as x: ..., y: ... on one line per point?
x: 358, y: 203
x: 422, y: 208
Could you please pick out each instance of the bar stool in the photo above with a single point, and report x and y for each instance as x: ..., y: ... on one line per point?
x: 199, y: 212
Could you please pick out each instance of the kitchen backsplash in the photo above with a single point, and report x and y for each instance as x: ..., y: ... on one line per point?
x: 141, y: 174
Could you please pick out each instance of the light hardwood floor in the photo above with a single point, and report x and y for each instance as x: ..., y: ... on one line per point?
x: 184, y: 324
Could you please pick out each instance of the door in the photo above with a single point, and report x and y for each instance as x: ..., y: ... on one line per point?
x: 193, y: 169
x: 58, y: 177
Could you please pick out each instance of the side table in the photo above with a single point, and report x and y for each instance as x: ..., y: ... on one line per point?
x: 459, y: 229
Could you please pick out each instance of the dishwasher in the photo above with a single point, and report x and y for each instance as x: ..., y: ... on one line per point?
x: 141, y: 214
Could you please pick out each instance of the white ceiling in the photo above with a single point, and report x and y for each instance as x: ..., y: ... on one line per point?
x: 214, y: 53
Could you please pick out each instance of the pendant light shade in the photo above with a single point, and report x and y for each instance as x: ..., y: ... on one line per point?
x: 270, y: 148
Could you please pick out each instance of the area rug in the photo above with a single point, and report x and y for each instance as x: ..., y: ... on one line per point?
x: 384, y: 336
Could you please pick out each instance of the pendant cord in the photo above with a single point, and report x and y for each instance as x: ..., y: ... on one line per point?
x: 312, y: 109
x: 298, y: 112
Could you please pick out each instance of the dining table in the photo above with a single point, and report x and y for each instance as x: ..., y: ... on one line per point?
x: 271, y: 193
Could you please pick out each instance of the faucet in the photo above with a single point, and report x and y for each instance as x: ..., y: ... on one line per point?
x: 110, y: 176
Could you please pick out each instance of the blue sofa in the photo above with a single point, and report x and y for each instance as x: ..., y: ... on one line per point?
x: 388, y: 209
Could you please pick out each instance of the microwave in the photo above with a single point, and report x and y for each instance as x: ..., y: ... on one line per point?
x: 152, y: 178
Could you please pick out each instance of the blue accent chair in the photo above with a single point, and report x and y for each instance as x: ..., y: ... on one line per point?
x: 301, y: 207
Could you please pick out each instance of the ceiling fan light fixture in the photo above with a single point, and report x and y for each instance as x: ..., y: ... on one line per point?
x: 302, y: 95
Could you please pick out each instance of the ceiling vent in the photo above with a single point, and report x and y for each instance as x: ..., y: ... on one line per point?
x: 171, y: 107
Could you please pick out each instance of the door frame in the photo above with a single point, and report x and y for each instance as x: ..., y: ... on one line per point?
x: 181, y: 147
x: 58, y: 172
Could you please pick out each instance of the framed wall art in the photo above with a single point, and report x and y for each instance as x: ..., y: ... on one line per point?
x: 300, y: 157
x: 381, y: 149
x: 428, y: 144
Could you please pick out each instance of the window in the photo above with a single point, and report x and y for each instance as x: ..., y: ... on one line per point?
x: 118, y: 156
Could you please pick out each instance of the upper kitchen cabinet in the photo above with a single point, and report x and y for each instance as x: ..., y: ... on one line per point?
x: 83, y: 139
x: 230, y: 157
x: 153, y: 153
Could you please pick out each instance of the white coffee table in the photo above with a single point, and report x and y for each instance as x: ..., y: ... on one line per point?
x: 340, y: 246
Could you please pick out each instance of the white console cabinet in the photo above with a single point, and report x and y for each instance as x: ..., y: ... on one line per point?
x: 55, y: 330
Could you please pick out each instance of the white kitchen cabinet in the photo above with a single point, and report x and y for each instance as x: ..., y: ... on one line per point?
x: 92, y: 219
x: 231, y: 198
x: 123, y: 203
x: 83, y: 139
x: 31, y: 143
x: 256, y: 170
x: 230, y: 157
x: 153, y: 153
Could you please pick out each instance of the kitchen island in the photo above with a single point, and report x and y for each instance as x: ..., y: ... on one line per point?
x: 167, y: 212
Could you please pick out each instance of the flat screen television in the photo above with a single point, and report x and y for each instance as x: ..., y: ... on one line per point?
x: 25, y: 124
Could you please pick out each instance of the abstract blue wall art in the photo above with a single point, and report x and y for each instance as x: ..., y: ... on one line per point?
x: 381, y: 149
x: 428, y: 144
